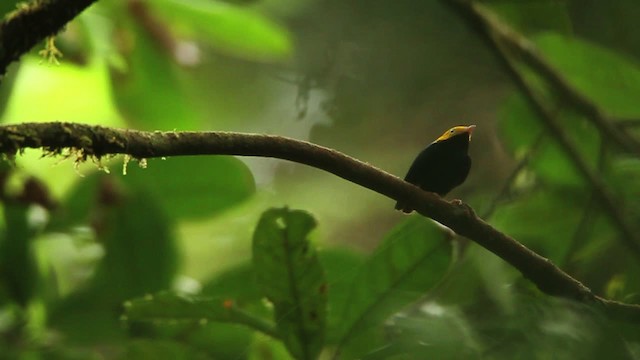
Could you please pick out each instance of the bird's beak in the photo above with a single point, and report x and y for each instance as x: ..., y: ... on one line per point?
x: 469, y: 130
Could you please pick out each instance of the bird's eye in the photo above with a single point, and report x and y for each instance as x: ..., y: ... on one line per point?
x: 451, y: 131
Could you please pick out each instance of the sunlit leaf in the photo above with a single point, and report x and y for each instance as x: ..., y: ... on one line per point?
x: 292, y: 278
x: 231, y: 29
x: 410, y: 261
x: 44, y: 92
x: 609, y: 79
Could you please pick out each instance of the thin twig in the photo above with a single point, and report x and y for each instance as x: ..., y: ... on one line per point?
x: 585, y: 222
x: 97, y: 141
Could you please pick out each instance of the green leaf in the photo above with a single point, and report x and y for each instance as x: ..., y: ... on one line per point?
x: 8, y: 6
x: 150, y: 94
x: 519, y: 125
x: 411, y: 260
x: 171, y: 307
x: 435, y: 332
x: 520, y: 128
x: 623, y: 177
x: 79, y: 204
x: 341, y: 267
x: 61, y: 94
x: 292, y: 278
x: 534, y: 16
x: 140, y: 250
x: 532, y: 221
x: 160, y: 349
x: 194, y: 186
x: 608, y: 78
x: 18, y: 267
x: 185, y: 187
x: 237, y: 283
x: 140, y: 256
x: 233, y: 30
x: 224, y: 340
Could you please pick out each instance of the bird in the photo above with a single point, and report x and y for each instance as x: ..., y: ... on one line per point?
x: 442, y: 165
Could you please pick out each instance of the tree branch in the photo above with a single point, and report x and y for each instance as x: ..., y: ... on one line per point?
x: 32, y: 23
x: 98, y: 141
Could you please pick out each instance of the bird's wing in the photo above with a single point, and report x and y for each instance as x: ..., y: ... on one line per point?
x: 420, y: 165
x: 464, y: 171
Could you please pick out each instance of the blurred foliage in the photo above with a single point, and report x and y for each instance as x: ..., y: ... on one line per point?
x: 179, y: 258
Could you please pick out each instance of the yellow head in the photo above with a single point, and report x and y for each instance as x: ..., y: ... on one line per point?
x: 456, y: 131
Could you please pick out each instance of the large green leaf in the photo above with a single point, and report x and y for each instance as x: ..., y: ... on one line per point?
x: 18, y: 267
x: 292, y: 278
x: 194, y: 186
x: 341, y: 266
x: 520, y: 128
x: 231, y: 29
x: 534, y: 16
x: 624, y: 175
x: 411, y: 260
x: 140, y: 257
x: 60, y: 93
x: 168, y: 307
x: 237, y: 283
x: 534, y: 221
x: 79, y: 205
x: 150, y: 93
x: 185, y: 187
x: 140, y: 250
x: 161, y: 349
x: 608, y: 78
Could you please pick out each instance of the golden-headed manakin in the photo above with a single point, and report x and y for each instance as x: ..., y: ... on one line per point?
x: 443, y: 165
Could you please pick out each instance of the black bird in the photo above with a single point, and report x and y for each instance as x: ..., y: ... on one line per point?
x: 443, y: 165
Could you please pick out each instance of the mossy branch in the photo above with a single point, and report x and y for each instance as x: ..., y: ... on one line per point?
x: 99, y: 141
x: 32, y: 23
